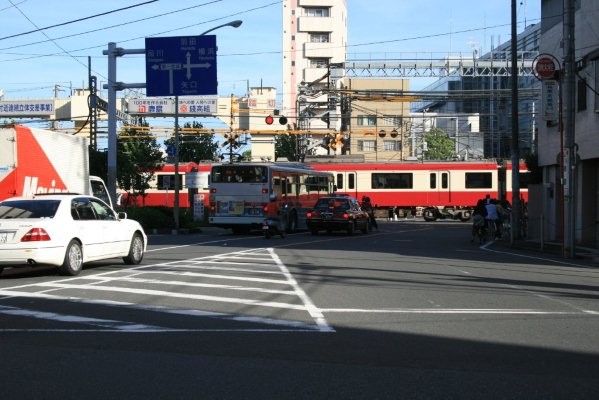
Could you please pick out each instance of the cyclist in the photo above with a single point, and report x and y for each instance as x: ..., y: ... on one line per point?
x: 493, y: 218
x: 478, y: 221
x: 367, y: 206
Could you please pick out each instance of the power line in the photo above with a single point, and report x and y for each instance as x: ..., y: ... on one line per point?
x: 114, y: 26
x: 73, y: 21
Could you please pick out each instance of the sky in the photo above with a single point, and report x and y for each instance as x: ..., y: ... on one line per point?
x: 44, y: 43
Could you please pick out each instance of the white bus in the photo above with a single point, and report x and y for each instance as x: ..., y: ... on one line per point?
x: 243, y: 195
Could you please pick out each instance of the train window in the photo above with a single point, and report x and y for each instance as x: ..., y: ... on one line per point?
x: 433, y: 180
x: 339, y: 181
x: 402, y: 180
x: 479, y: 180
x: 351, y: 181
x: 444, y: 180
x: 167, y: 182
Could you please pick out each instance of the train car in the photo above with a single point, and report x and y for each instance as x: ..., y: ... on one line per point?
x: 431, y: 189
x: 162, y: 187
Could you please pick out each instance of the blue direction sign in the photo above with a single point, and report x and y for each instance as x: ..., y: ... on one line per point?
x: 181, y: 66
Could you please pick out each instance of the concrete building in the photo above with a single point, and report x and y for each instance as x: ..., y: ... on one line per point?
x: 552, y: 142
x: 379, y: 121
x: 314, y: 36
x: 494, y: 107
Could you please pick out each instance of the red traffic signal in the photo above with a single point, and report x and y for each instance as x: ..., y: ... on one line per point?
x: 270, y: 120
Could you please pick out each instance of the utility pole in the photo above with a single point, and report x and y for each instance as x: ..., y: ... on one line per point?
x: 515, y: 231
x: 569, y: 133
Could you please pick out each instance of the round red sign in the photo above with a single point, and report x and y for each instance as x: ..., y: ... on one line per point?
x: 545, y: 66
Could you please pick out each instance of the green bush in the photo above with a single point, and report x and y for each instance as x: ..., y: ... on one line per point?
x: 161, y: 218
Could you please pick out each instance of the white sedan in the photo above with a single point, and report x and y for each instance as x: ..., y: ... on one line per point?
x: 67, y: 231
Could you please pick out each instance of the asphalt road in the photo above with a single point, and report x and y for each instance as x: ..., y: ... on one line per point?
x: 413, y: 311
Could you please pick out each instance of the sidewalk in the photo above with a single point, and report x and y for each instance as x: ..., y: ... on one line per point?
x: 586, y: 254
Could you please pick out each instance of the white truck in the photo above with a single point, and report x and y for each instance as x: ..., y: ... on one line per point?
x: 41, y: 161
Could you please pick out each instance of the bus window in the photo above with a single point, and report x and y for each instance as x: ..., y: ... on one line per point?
x: 239, y: 174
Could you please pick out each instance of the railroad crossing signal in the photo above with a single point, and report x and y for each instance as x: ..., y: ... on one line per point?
x: 231, y: 140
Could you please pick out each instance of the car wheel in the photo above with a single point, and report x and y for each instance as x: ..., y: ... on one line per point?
x: 73, y: 259
x: 351, y: 228
x: 136, y: 250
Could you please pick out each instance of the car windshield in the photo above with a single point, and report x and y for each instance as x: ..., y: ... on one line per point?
x: 335, y: 204
x: 28, y: 209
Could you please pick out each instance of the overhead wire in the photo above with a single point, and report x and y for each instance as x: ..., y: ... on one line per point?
x: 72, y: 21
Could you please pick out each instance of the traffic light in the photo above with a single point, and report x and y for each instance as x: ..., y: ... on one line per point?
x: 270, y: 119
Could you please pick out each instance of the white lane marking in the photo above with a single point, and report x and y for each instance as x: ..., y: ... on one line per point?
x: 197, y: 285
x: 259, y: 254
x: 314, y: 311
x: 487, y: 245
x: 287, y: 325
x: 106, y: 323
x: 456, y: 311
x: 162, y: 293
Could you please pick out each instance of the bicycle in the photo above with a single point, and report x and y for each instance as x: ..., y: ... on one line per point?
x: 479, y: 229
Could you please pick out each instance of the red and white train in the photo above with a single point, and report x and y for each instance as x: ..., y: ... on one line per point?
x: 162, y: 187
x: 432, y: 189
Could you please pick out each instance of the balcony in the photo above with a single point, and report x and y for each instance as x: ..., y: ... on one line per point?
x: 317, y: 3
x: 315, y: 24
x: 317, y: 50
x: 312, y: 74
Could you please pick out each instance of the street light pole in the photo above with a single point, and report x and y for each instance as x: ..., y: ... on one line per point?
x: 234, y: 24
x: 113, y: 86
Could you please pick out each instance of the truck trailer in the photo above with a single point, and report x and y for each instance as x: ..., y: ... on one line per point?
x: 41, y: 161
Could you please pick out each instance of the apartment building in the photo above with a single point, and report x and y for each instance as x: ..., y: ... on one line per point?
x: 551, y: 138
x: 314, y: 36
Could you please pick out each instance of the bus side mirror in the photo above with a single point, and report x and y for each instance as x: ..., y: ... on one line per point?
x: 334, y: 188
x: 272, y: 197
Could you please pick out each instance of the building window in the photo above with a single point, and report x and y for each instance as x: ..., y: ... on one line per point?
x: 581, y: 92
x: 366, y: 145
x: 366, y: 120
x: 391, y: 145
x: 392, y: 120
x: 317, y: 12
x: 319, y: 37
x: 319, y: 62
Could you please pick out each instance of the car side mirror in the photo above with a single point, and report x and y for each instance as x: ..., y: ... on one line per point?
x: 122, y: 215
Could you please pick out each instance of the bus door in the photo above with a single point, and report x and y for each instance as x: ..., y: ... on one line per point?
x: 439, y: 193
x: 347, y: 182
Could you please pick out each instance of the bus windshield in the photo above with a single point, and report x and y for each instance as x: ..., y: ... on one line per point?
x: 239, y: 174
